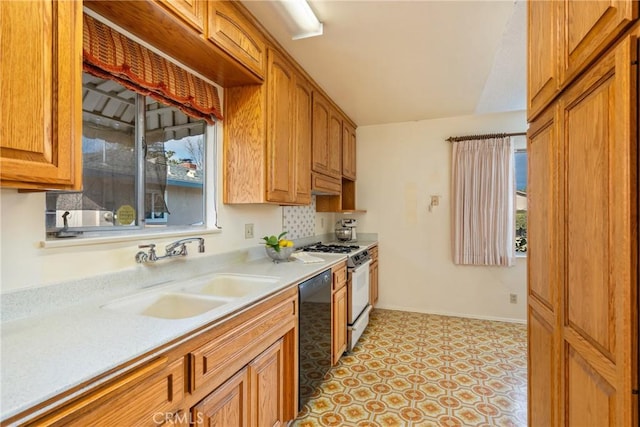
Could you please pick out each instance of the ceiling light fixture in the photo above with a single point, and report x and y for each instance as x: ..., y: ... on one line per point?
x: 306, y: 22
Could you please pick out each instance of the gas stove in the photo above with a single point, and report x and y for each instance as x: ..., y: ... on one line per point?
x: 332, y: 248
x: 356, y: 255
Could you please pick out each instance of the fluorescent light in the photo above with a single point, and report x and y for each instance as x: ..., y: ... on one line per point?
x: 305, y: 20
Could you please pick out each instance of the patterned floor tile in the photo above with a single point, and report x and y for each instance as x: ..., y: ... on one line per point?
x: 421, y: 370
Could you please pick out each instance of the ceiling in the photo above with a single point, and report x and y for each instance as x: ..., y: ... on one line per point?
x: 396, y: 61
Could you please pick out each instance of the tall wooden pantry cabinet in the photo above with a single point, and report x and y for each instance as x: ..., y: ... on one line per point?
x: 583, y: 213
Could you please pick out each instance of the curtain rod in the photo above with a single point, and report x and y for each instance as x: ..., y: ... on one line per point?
x: 486, y: 136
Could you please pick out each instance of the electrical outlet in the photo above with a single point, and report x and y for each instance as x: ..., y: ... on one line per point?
x: 513, y: 298
x: 248, y: 231
x: 322, y: 223
x: 435, y: 200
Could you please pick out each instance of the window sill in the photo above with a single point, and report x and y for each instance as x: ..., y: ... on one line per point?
x: 137, y: 236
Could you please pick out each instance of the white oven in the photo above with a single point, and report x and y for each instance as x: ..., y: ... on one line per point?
x: 357, y: 302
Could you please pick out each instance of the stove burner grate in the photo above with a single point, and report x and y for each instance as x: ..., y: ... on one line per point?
x: 336, y: 249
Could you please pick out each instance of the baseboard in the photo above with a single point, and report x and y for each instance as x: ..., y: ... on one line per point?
x: 451, y: 314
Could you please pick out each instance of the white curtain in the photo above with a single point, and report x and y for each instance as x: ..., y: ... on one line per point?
x: 483, y: 213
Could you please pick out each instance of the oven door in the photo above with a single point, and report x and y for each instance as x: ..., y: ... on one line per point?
x: 358, y: 291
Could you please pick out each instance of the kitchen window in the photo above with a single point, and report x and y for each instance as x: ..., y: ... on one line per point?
x: 521, y: 201
x: 144, y: 165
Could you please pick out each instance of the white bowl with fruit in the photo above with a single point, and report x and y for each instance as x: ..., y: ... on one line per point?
x: 277, y: 248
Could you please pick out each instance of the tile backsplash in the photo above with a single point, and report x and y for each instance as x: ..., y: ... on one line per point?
x: 299, y: 221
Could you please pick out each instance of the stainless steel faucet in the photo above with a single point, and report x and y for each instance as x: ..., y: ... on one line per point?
x: 177, y: 248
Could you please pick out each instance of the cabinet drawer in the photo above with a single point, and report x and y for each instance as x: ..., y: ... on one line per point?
x: 339, y: 276
x: 226, y: 354
x: 145, y: 397
x: 325, y: 184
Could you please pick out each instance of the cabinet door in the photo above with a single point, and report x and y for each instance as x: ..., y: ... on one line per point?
x: 320, y: 134
x: 338, y: 324
x: 348, y: 151
x: 373, y: 283
x: 544, y: 262
x: 334, y: 147
x: 599, y: 329
x: 230, y: 30
x: 191, y: 11
x: 543, y: 54
x: 266, y: 376
x: 590, y: 26
x: 228, y: 405
x: 302, y: 140
x: 41, y: 103
x: 280, y: 145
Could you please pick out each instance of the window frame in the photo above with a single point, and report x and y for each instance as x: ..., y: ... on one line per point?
x: 519, y: 254
x: 144, y: 226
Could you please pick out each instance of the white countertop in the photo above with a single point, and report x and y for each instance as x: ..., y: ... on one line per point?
x: 54, y: 350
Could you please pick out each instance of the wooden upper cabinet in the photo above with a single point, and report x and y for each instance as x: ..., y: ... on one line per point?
x: 334, y: 147
x: 564, y: 37
x: 288, y: 133
x: 235, y: 34
x: 302, y: 140
x: 589, y: 28
x: 41, y: 103
x: 542, y: 54
x: 267, y: 141
x: 280, y: 145
x: 348, y: 151
x: 326, y: 138
x: 320, y: 134
x: 193, y: 12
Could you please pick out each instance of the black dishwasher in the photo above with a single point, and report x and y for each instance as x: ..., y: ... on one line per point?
x: 314, y: 331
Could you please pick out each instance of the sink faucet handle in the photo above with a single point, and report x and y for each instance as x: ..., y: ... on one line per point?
x: 142, y: 257
x: 152, y: 252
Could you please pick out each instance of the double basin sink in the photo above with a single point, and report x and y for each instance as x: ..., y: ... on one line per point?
x: 193, y: 297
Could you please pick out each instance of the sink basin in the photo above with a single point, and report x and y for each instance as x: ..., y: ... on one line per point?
x: 232, y: 285
x: 167, y: 305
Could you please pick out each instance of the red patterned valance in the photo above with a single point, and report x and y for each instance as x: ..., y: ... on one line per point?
x: 109, y: 54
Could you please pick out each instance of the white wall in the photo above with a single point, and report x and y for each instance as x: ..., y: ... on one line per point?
x: 400, y: 166
x: 25, y: 264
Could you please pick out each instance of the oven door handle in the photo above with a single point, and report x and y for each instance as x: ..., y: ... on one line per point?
x: 361, y: 266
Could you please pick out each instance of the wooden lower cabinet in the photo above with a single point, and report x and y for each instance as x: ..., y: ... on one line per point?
x: 226, y: 406
x: 338, y: 312
x: 148, y: 396
x: 339, y: 323
x: 252, y: 397
x: 583, y: 250
x: 266, y: 395
x: 373, y: 276
x: 239, y: 372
